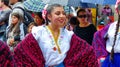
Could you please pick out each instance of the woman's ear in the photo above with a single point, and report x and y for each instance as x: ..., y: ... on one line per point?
x: 49, y: 17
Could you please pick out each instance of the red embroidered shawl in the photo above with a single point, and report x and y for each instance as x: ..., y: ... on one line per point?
x: 28, y: 54
x: 6, y: 59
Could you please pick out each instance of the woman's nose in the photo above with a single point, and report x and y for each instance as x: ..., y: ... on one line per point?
x: 62, y: 15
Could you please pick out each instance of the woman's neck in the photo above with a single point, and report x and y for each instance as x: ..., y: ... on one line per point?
x: 84, y: 24
x: 54, y: 28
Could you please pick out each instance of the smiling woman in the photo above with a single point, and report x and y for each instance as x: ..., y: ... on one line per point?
x: 56, y: 16
x: 52, y: 45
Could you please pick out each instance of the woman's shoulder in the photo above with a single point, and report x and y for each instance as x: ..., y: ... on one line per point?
x: 112, y: 27
x: 114, y: 23
x: 68, y: 32
x: 82, y: 50
x: 37, y: 30
x: 93, y: 26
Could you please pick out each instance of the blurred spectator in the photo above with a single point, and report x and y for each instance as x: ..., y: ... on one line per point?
x: 72, y: 23
x: 107, y: 11
x: 84, y: 29
x: 38, y: 18
x: 14, y: 4
x: 4, y: 15
x: 15, y: 30
x: 30, y: 26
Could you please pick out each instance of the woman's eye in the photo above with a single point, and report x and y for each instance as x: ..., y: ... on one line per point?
x: 64, y: 13
x: 57, y: 13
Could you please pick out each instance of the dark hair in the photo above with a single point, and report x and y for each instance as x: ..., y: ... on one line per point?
x: 74, y: 21
x: 20, y: 0
x: 32, y: 23
x: 80, y: 10
x: 16, y: 15
x: 49, y: 10
x: 115, y: 36
x: 6, y: 2
x: 17, y: 27
x: 40, y: 15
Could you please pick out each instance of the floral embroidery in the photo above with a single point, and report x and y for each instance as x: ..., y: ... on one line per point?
x: 52, y: 38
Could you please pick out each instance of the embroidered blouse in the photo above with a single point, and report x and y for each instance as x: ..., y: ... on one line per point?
x: 50, y: 47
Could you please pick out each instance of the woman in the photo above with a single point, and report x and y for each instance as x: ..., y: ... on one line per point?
x: 4, y: 15
x: 15, y: 32
x: 30, y: 26
x: 84, y: 29
x: 72, y: 23
x: 52, y: 45
x: 38, y: 18
x: 107, y: 11
x: 107, y: 43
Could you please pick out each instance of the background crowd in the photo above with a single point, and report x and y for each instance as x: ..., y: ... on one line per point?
x: 54, y: 38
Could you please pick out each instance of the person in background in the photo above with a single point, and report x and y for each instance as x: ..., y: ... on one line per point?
x: 38, y: 18
x: 14, y: 4
x: 84, y: 29
x: 4, y: 15
x: 52, y: 45
x: 14, y: 33
x: 100, y: 26
x: 30, y: 26
x: 106, y: 43
x: 72, y: 23
x: 107, y: 11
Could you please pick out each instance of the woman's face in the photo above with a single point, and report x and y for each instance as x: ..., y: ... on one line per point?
x: 1, y: 3
x: 13, y: 1
x: 58, y: 17
x: 30, y: 28
x: 82, y: 17
x: 14, y: 20
x: 38, y: 20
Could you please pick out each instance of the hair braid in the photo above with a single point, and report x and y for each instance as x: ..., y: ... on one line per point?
x: 115, y: 37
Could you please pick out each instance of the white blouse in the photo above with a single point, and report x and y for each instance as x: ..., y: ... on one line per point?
x: 47, y: 44
x: 109, y: 42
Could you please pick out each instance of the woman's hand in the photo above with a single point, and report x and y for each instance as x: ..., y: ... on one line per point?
x: 11, y: 42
